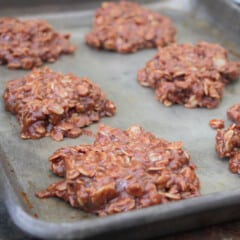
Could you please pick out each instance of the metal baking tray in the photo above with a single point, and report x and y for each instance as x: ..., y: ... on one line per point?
x: 23, y: 163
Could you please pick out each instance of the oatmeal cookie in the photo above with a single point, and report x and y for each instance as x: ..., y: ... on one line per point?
x: 51, y: 103
x: 191, y: 75
x: 126, y: 27
x: 122, y: 171
x: 28, y: 43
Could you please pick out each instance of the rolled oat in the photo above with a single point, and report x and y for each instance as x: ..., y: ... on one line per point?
x: 216, y: 123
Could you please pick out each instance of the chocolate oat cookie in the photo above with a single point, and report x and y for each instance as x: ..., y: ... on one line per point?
x: 50, y: 103
x: 228, y: 140
x: 228, y: 145
x: 233, y: 113
x: 234, y: 162
x: 126, y: 27
x: 122, y: 171
x: 28, y: 43
x: 192, y: 75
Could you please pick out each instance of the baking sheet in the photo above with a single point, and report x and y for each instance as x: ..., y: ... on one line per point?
x: 24, y: 162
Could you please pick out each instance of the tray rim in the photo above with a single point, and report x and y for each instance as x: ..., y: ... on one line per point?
x: 197, y: 206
